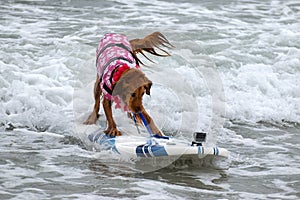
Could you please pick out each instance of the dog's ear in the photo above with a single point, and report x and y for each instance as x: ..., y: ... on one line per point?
x: 148, y: 87
x: 120, y: 89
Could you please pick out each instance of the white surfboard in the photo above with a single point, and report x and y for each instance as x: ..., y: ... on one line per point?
x: 140, y: 146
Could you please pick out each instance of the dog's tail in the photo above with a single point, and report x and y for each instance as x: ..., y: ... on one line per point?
x: 147, y: 44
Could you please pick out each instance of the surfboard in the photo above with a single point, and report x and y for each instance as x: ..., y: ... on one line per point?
x: 143, y: 146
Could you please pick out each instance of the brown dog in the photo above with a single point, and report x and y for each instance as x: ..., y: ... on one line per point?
x: 119, y: 78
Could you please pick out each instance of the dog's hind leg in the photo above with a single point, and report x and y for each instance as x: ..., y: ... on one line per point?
x: 97, y: 94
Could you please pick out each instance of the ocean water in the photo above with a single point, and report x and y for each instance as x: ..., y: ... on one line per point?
x: 235, y: 74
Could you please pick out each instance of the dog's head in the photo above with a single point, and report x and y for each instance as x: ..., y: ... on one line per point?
x: 131, y: 88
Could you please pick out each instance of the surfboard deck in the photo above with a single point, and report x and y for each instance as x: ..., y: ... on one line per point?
x: 139, y: 146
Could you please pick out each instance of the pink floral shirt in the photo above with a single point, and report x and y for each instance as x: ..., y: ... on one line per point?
x: 113, y: 51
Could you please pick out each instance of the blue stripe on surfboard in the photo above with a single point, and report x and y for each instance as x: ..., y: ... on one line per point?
x: 146, y: 150
x: 216, y: 151
x: 156, y: 150
x: 96, y: 137
x: 139, y: 151
x: 106, y: 141
x: 200, y: 151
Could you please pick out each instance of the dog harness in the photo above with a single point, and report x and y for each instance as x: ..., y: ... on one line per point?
x: 113, y: 57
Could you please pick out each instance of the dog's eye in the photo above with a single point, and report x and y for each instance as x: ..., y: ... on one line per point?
x: 133, y: 95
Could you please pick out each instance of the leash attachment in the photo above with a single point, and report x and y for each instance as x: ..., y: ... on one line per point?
x: 136, y: 124
x: 140, y: 114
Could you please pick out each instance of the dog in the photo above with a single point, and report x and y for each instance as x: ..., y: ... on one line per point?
x: 120, y: 79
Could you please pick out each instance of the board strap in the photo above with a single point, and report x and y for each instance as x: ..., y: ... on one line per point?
x: 140, y: 114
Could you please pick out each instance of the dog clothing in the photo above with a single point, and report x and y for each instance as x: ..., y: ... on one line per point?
x: 113, y: 57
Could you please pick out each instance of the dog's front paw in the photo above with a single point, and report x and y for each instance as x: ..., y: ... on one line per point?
x: 159, y: 133
x: 113, y: 132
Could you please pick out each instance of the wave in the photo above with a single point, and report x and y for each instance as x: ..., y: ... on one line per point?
x: 231, y: 63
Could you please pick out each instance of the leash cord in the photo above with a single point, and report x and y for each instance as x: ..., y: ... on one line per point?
x: 136, y: 124
x: 147, y: 126
x: 144, y: 121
